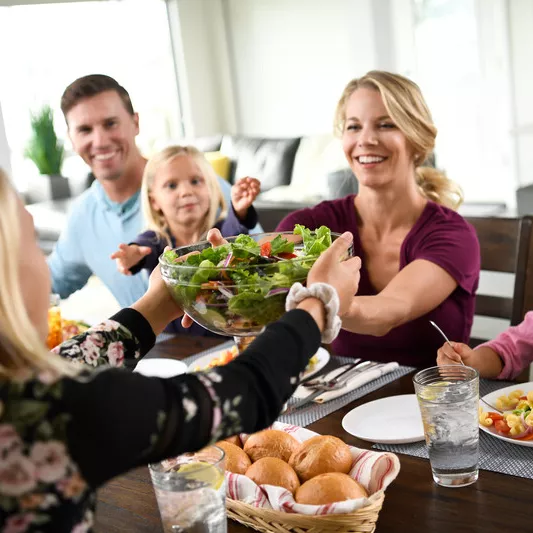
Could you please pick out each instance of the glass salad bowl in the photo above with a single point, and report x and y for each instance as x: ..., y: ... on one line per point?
x: 236, y: 289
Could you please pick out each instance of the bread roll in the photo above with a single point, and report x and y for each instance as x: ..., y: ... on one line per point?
x: 236, y: 460
x: 235, y: 440
x: 273, y: 471
x: 271, y: 443
x: 319, y: 455
x: 329, y: 488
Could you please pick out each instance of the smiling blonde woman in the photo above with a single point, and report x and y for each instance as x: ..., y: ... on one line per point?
x: 420, y: 258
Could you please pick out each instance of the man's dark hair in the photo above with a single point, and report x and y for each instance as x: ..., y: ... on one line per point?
x: 92, y: 85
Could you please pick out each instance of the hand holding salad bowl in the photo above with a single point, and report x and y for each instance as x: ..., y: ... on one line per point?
x: 239, y: 286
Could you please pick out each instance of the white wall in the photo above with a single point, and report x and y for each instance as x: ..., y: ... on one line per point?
x: 292, y: 58
x: 277, y: 68
x: 4, y: 148
x: 465, y: 80
x: 270, y: 67
x: 520, y: 24
x: 203, y: 66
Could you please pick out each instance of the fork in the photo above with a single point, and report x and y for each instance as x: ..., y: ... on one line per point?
x: 313, y: 380
x: 341, y: 379
x: 494, y: 408
x: 444, y: 336
x: 333, y: 383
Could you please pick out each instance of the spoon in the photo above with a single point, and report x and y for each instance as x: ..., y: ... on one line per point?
x: 444, y: 336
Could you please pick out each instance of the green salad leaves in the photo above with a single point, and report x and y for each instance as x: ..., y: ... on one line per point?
x: 242, y: 285
x: 314, y: 242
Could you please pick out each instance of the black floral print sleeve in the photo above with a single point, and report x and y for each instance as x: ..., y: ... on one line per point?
x: 61, y: 439
x: 110, y: 342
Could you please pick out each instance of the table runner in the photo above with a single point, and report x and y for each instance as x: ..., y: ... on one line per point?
x: 311, y: 413
x: 495, y: 455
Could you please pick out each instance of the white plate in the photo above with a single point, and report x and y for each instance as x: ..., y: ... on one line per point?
x: 392, y: 420
x: 160, y: 367
x: 492, y: 397
x: 323, y: 359
x: 322, y: 355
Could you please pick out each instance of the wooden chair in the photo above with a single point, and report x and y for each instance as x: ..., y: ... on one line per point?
x: 506, y: 246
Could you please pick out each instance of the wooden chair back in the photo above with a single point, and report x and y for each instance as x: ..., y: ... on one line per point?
x: 506, y: 246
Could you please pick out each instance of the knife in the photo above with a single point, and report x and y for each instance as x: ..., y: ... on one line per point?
x: 316, y: 377
x: 317, y: 393
x: 303, y: 401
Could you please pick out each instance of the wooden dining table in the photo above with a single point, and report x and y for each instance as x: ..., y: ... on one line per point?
x: 496, y: 503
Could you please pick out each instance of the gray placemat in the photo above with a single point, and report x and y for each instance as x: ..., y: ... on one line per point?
x: 495, y: 455
x: 313, y: 412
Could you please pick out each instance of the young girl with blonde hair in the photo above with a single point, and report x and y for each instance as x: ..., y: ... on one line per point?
x: 66, y: 429
x: 181, y: 202
x: 420, y: 258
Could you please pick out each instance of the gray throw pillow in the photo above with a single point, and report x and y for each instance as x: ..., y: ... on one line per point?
x: 339, y: 184
x: 267, y: 159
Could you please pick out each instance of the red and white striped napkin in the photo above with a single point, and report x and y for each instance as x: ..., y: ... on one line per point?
x: 374, y: 470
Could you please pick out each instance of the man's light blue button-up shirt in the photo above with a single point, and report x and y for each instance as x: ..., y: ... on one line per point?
x: 95, y: 227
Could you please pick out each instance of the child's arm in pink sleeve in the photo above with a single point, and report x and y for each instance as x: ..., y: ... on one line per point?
x: 515, y: 347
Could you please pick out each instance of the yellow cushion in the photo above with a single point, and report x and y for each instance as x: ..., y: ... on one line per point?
x: 219, y: 162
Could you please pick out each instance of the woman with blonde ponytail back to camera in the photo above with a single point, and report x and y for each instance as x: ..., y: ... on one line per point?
x: 420, y: 257
x: 73, y: 419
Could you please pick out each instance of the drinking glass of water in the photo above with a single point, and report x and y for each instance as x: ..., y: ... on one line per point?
x: 191, y: 492
x: 448, y: 397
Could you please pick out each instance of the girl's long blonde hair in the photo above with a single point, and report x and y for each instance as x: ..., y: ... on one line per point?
x: 22, y: 351
x: 407, y: 108
x: 155, y: 220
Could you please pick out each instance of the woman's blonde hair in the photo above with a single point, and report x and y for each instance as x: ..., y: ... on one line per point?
x: 21, y: 348
x: 155, y: 220
x: 407, y: 108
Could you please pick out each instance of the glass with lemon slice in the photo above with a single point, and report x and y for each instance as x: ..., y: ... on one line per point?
x: 191, y: 492
x: 448, y: 398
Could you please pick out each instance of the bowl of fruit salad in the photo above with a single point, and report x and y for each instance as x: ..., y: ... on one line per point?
x: 236, y: 289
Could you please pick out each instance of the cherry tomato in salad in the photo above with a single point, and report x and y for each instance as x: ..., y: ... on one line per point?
x: 266, y: 249
x: 287, y: 255
x: 501, y: 426
x: 494, y: 416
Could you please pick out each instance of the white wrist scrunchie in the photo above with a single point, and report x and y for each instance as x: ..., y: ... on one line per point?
x: 328, y: 296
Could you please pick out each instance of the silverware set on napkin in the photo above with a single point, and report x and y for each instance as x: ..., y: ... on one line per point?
x: 323, y: 383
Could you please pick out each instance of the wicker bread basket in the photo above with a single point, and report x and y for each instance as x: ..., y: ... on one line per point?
x: 266, y: 520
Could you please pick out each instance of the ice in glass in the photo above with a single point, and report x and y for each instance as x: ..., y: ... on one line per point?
x: 191, y: 492
x: 448, y: 397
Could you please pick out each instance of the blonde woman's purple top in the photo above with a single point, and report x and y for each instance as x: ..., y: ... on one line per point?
x: 441, y: 236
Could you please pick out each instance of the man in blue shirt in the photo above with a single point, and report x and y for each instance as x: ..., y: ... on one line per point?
x: 102, y: 127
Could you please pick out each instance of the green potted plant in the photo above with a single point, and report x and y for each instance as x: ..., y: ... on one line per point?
x: 47, y: 152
